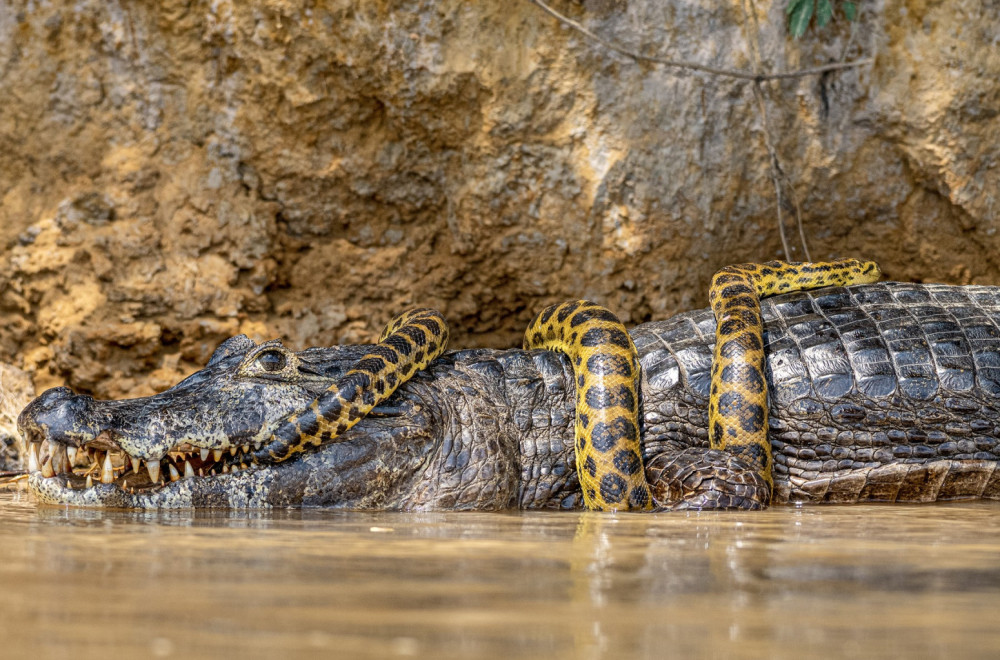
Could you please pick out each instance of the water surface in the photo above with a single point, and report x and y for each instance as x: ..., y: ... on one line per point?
x: 858, y: 581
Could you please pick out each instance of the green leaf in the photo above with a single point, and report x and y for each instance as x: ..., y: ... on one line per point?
x: 824, y: 11
x: 792, y: 4
x: 799, y: 19
x: 850, y: 10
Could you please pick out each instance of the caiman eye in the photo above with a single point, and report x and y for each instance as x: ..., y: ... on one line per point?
x: 272, y: 360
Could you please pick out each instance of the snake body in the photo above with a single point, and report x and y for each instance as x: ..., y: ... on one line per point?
x: 409, y: 342
x: 737, y: 409
x: 606, y: 368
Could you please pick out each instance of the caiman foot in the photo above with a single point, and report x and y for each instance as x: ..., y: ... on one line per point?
x: 699, y: 478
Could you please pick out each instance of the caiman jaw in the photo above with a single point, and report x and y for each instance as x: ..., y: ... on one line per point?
x: 101, y: 461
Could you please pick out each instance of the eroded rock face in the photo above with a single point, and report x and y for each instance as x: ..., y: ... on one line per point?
x: 15, y: 392
x: 171, y: 175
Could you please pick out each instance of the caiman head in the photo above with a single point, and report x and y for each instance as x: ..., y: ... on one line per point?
x: 197, y: 443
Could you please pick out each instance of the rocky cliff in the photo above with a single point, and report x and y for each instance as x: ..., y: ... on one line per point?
x: 173, y: 173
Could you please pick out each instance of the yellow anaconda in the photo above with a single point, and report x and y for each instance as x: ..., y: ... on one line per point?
x: 737, y: 408
x: 606, y: 366
x: 408, y: 344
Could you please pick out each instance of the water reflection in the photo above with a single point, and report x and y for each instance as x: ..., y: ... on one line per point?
x: 864, y: 581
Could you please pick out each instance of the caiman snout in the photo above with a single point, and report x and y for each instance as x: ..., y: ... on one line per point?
x: 76, y: 440
x: 58, y: 414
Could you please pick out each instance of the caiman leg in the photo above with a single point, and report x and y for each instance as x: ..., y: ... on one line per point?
x: 408, y: 344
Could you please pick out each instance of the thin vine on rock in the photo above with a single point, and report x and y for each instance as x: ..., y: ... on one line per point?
x: 799, y: 19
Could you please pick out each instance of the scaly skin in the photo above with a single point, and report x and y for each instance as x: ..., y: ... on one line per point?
x: 409, y: 342
x: 606, y: 368
x: 737, y: 409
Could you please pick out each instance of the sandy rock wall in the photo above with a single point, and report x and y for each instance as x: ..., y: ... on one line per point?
x: 16, y: 391
x: 174, y: 173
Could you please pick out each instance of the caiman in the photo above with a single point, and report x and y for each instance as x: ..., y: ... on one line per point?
x: 874, y: 392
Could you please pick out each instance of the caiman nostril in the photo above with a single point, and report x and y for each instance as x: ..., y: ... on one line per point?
x: 54, y: 394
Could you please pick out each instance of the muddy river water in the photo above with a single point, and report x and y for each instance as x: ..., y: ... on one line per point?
x: 843, y: 581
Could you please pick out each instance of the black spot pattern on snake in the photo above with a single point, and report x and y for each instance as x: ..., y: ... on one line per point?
x: 308, y: 423
x: 400, y: 344
x: 605, y: 397
x: 627, y: 461
x: 330, y: 405
x: 613, y: 488
x: 734, y: 291
x: 605, y: 436
x: 745, y: 374
x: 605, y: 336
x: 566, y: 309
x: 416, y: 335
x: 371, y: 365
x: 638, y: 498
x: 386, y: 352
x: 602, y: 364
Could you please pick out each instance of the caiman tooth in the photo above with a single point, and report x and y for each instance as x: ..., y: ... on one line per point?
x: 33, y: 465
x: 47, y: 470
x: 107, y: 470
x: 59, y: 459
x: 136, y: 464
x: 188, y: 470
x: 246, y: 449
x: 232, y: 450
x: 204, y: 454
x: 225, y: 469
x: 153, y: 467
x: 217, y: 455
x: 90, y: 482
x: 174, y: 474
x: 71, y: 455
